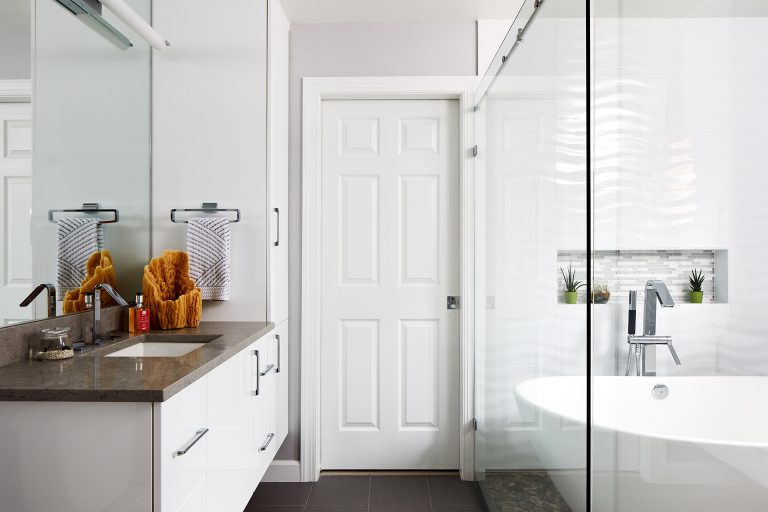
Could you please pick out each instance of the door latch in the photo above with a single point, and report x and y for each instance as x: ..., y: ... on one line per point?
x: 453, y: 302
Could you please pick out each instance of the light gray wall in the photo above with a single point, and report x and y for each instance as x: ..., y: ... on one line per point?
x: 15, y: 39
x: 357, y: 49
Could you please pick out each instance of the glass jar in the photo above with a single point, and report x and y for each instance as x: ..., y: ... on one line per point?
x: 55, y: 344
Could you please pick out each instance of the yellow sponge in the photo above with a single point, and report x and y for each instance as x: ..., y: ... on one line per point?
x: 170, y: 294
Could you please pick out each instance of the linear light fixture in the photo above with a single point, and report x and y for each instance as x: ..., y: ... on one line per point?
x: 137, y: 23
x: 90, y: 14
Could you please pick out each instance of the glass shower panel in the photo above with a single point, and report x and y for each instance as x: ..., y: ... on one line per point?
x: 532, y: 345
x: 679, y: 142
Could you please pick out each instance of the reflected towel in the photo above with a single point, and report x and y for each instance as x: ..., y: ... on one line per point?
x: 78, y: 238
x: 208, y: 245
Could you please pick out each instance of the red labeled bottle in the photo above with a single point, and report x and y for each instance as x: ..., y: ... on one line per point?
x: 138, y: 316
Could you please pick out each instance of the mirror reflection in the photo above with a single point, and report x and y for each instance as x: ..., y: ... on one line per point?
x: 76, y: 162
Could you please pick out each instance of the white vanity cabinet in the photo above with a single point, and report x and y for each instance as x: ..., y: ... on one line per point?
x: 239, y: 403
x: 204, y: 449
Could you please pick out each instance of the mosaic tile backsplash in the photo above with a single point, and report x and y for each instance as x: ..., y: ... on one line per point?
x: 623, y: 271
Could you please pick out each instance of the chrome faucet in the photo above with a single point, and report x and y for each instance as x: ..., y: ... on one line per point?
x: 643, y: 347
x: 97, y: 334
x: 51, y: 298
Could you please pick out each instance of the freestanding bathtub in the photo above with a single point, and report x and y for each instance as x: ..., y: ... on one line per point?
x: 702, y: 447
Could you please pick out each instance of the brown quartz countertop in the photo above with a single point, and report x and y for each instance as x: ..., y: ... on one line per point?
x: 90, y: 377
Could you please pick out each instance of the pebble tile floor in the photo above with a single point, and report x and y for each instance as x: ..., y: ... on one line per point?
x: 369, y: 493
x: 529, y: 491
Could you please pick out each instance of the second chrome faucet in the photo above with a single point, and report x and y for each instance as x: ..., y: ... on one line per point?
x: 643, y: 348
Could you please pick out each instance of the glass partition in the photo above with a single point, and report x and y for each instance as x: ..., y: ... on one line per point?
x: 531, y: 449
x: 664, y: 221
x: 679, y: 186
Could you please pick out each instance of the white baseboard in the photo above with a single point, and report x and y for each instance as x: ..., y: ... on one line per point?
x: 283, y: 471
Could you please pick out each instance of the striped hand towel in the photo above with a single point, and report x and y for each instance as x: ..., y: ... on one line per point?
x: 78, y: 238
x: 208, y: 245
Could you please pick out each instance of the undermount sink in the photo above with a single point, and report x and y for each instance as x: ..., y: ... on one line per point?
x: 164, y: 345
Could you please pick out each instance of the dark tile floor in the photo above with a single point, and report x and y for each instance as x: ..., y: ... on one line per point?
x: 376, y: 493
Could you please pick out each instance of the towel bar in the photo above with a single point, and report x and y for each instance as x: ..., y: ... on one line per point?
x: 207, y: 208
x: 88, y: 208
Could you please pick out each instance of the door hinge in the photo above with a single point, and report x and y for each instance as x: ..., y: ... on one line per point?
x: 474, y: 150
x: 453, y: 302
x: 474, y: 424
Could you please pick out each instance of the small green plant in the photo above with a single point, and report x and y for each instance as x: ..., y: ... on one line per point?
x: 571, y: 284
x: 696, y: 279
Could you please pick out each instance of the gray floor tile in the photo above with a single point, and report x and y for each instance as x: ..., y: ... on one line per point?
x: 281, y: 493
x: 340, y: 491
x: 453, y: 492
x: 337, y: 508
x: 273, y: 508
x: 425, y: 508
x: 473, y: 508
x: 399, y: 491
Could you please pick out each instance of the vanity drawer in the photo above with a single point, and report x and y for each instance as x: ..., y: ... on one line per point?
x: 180, y: 448
x: 266, y: 439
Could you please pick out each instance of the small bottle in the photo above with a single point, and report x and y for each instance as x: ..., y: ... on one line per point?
x: 88, y: 323
x: 138, y: 316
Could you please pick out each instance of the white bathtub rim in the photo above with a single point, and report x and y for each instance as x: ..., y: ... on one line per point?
x: 576, y: 412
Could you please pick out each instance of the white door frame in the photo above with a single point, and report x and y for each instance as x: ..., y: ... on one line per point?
x: 315, y: 90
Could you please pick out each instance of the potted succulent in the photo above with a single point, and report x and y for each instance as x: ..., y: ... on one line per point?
x: 571, y: 285
x: 600, y: 294
x: 696, y: 279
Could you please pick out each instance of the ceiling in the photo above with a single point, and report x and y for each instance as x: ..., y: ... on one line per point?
x: 349, y: 11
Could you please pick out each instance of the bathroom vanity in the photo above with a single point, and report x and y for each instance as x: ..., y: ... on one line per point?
x: 175, y: 432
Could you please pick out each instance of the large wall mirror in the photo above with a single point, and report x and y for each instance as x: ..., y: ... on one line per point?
x: 90, y: 119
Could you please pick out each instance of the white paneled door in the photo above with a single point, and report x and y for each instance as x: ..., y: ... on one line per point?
x: 15, y: 211
x: 390, y: 257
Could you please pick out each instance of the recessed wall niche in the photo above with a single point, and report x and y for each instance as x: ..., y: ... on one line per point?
x: 625, y: 270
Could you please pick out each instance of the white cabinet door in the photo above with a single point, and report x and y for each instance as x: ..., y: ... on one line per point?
x: 263, y: 403
x: 180, y: 449
x: 278, y: 91
x: 282, y: 337
x: 75, y: 457
x: 230, y: 472
x: 390, y: 257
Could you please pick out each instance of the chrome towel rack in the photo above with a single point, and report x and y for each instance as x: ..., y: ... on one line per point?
x: 90, y: 208
x: 207, y: 208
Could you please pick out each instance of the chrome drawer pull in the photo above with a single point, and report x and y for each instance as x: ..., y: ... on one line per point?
x: 277, y: 242
x: 264, y: 447
x: 258, y: 384
x: 184, y: 449
x: 270, y: 367
x: 277, y: 337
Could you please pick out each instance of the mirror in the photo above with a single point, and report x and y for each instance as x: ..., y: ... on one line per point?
x: 91, y: 121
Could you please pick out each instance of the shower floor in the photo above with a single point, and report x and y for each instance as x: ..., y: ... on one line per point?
x: 522, y: 491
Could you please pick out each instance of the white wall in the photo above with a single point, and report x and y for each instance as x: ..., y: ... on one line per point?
x: 15, y: 39
x: 682, y: 116
x: 209, y: 135
x: 357, y: 49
